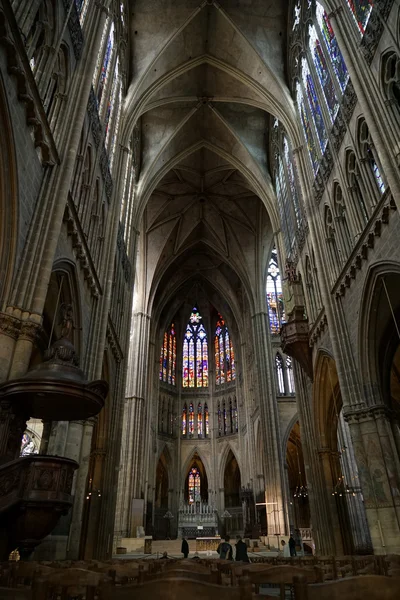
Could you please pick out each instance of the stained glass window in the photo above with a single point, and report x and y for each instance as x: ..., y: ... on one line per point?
x: 27, y: 445
x: 224, y: 416
x: 378, y: 176
x: 195, y: 353
x: 361, y: 11
x: 206, y: 420
x: 292, y: 179
x: 194, y: 484
x: 284, y: 205
x: 308, y: 134
x: 199, y: 420
x: 290, y: 375
x: 315, y: 109
x: 328, y: 35
x: 168, y: 357
x: 105, y: 68
x: 184, y: 420
x: 82, y: 6
x: 191, y: 419
x: 276, y: 309
x: 323, y: 72
x: 224, y: 354
x: 113, y: 99
x: 235, y: 416
x: 279, y: 373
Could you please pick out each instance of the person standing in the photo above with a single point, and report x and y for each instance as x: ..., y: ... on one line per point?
x: 185, y: 548
x: 285, y: 549
x: 241, y: 550
x: 292, y: 546
x: 225, y: 550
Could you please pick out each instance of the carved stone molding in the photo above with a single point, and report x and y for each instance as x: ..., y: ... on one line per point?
x: 9, y: 325
x: 29, y: 331
x: 18, y: 66
x: 318, y: 329
x: 113, y: 342
x: 365, y: 244
x: 81, y: 248
x: 74, y: 28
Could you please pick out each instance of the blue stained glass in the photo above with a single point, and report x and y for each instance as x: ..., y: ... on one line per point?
x: 292, y: 180
x: 323, y: 73
x: 328, y: 35
x: 106, y: 65
x: 361, y: 12
x: 314, y: 105
x: 307, y: 129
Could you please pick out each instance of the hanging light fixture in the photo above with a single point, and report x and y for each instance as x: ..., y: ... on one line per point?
x: 301, y: 490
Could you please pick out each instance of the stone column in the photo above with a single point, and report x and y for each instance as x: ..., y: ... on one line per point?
x: 322, y: 524
x: 80, y: 490
x: 274, y: 480
x: 135, y: 427
x: 379, y: 474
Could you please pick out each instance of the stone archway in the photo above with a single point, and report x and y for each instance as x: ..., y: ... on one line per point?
x: 233, y: 523
x: 299, y: 506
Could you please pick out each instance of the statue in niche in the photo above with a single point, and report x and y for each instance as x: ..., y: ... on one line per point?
x: 66, y: 320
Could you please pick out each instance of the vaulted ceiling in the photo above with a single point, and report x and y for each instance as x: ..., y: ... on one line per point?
x: 206, y: 78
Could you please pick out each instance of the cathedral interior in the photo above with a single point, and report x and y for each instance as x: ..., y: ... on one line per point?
x: 199, y: 275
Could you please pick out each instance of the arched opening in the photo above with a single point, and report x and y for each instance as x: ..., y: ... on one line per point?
x: 196, y: 482
x: 162, y: 524
x: 8, y: 204
x: 349, y: 526
x: 299, y: 506
x: 233, y: 520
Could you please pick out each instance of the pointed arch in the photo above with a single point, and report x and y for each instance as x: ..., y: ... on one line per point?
x: 377, y: 335
x: 8, y: 199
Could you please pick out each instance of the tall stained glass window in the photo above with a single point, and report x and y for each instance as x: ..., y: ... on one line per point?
x: 199, y: 420
x: 206, y: 420
x: 290, y: 375
x: 279, y: 373
x: 184, y: 420
x: 168, y: 357
x: 315, y: 108
x: 235, y: 417
x: 323, y: 73
x: 81, y: 7
x: 224, y: 355
x: 292, y: 180
x: 361, y: 12
x: 328, y: 35
x: 195, y: 353
x: 194, y: 483
x: 274, y: 293
x: 308, y: 134
x: 191, y: 419
x: 106, y: 65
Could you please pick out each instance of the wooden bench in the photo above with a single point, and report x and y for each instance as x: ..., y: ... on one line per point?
x: 364, y: 587
x: 282, y: 576
x: 176, y: 589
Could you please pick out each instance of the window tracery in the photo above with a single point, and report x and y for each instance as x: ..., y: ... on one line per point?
x: 195, y: 353
x: 225, y: 370
x: 184, y: 420
x: 194, y: 485
x: 361, y: 11
x: 369, y: 157
x: 280, y: 374
x: 290, y: 375
x: 276, y: 311
x: 167, y: 372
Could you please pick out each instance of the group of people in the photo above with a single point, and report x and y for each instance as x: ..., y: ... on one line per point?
x: 225, y: 549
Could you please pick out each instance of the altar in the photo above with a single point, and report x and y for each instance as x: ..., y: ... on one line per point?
x: 207, y: 543
x: 197, y: 520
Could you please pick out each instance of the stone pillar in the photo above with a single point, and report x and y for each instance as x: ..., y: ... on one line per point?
x: 131, y: 481
x: 322, y: 524
x: 274, y: 480
x: 80, y: 491
x: 379, y: 473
